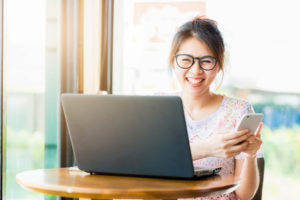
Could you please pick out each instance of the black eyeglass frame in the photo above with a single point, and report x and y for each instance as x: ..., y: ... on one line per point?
x: 196, y: 58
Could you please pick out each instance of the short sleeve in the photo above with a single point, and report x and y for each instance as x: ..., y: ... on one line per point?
x: 247, y: 109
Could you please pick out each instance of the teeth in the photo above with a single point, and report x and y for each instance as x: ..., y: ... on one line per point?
x: 194, y: 80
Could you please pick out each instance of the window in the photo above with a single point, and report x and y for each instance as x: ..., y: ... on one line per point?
x: 31, y: 82
x: 50, y: 47
x: 143, y: 32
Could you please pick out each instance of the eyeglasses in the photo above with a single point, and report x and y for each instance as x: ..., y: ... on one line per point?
x: 185, y: 61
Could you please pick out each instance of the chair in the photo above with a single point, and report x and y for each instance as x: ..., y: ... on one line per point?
x: 261, y: 169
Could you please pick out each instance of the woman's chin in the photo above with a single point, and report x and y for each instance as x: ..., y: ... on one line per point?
x: 195, y: 92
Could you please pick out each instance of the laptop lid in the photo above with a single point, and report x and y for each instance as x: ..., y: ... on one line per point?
x: 129, y: 135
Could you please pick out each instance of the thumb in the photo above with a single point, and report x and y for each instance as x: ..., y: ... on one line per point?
x: 257, y: 133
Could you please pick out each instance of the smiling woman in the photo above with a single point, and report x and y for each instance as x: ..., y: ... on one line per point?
x: 211, y: 118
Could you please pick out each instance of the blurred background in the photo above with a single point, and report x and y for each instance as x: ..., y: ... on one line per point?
x: 262, y: 46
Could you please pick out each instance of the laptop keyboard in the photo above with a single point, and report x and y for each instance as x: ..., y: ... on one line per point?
x: 202, y: 171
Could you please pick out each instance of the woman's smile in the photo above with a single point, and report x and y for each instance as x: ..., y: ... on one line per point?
x: 195, y: 81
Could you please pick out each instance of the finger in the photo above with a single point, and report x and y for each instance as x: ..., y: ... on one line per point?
x: 235, y: 134
x: 240, y: 147
x: 236, y: 150
x: 257, y: 140
x: 254, y: 146
x: 230, y: 155
x: 257, y: 133
x: 239, y: 140
x: 251, y: 139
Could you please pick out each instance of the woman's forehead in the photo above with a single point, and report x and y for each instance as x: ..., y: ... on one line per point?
x: 194, y: 47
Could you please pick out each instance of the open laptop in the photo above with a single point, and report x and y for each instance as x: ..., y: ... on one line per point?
x: 130, y: 135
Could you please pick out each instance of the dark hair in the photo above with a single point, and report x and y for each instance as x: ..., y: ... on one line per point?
x: 205, y: 30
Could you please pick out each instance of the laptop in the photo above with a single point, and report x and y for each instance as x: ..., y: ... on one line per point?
x: 130, y: 135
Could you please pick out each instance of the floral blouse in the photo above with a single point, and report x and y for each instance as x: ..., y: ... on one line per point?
x: 226, y: 117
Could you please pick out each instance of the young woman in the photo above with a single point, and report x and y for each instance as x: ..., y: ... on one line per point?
x: 197, y: 56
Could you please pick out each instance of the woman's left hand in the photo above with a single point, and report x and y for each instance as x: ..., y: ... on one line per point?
x: 254, y: 142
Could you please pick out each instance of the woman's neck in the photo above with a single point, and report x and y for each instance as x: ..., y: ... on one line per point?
x: 197, y: 102
x: 200, y: 107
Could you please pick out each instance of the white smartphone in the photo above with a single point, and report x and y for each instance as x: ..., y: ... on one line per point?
x: 250, y: 122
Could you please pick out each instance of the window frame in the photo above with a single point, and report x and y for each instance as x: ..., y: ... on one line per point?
x: 1, y: 97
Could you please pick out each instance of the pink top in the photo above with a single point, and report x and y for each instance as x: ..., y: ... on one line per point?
x: 226, y: 117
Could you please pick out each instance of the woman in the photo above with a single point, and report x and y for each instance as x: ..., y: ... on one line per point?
x: 197, y: 56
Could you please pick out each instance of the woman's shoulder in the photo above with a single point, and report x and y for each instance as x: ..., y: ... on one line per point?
x: 235, y: 101
x: 237, y: 104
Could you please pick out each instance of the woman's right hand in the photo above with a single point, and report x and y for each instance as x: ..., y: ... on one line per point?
x: 227, y: 143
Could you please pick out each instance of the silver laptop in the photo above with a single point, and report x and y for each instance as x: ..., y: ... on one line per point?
x: 130, y: 135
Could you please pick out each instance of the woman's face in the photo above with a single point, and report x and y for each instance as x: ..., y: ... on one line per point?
x: 195, y: 81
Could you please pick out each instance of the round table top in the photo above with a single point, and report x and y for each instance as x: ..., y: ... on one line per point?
x: 72, y: 182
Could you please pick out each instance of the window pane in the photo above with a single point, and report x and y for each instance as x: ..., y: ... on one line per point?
x: 143, y: 33
x: 260, y: 47
x: 30, y: 74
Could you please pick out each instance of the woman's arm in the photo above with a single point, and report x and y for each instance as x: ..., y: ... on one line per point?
x: 248, y: 172
x: 199, y: 150
x: 247, y: 168
x: 222, y: 144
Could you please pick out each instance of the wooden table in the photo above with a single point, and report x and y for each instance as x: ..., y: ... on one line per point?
x: 71, y: 182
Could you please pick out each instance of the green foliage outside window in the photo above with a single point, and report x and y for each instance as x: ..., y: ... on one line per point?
x: 282, y: 155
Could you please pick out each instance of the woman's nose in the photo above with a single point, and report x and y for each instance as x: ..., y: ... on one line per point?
x: 195, y: 68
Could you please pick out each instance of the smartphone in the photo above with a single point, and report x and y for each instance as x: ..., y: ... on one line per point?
x: 250, y: 122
